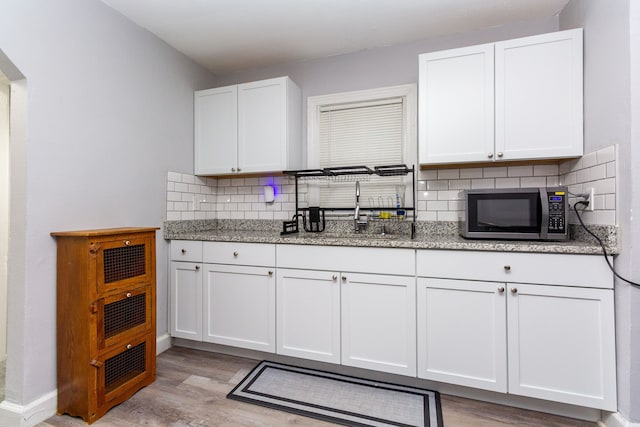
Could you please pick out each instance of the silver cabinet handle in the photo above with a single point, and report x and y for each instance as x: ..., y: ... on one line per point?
x: 507, y: 267
x: 500, y: 154
x: 184, y: 251
x: 128, y: 294
x: 197, y: 267
x: 127, y: 242
x: 270, y: 273
x: 235, y: 253
x: 344, y: 278
x: 490, y: 155
x: 501, y: 289
x: 233, y: 169
x: 129, y: 346
x: 239, y: 169
x: 514, y: 290
x: 334, y: 277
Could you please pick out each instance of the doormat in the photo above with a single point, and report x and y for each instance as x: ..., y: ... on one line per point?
x: 338, y: 398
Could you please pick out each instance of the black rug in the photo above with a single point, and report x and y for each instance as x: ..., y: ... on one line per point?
x: 338, y: 398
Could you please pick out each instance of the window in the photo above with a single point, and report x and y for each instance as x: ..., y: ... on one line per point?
x: 364, y: 128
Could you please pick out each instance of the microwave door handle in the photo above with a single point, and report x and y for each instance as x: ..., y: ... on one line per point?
x: 544, y: 221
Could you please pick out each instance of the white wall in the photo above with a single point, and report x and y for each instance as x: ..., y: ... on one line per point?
x: 4, y: 209
x: 610, y: 87
x: 110, y: 111
x: 388, y: 66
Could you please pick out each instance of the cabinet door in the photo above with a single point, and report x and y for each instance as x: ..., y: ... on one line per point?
x: 239, y: 306
x: 308, y: 320
x: 379, y: 322
x: 456, y: 105
x: 462, y: 337
x: 216, y: 131
x: 539, y: 96
x: 262, y: 124
x: 186, y: 300
x: 561, y: 344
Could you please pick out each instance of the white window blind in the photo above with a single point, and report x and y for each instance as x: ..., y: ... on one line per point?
x: 362, y: 134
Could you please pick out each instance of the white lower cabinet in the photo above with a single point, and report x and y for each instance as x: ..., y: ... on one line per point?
x: 239, y: 306
x: 222, y: 298
x: 308, y: 314
x: 379, y: 322
x: 545, y: 341
x: 185, y: 313
x: 462, y: 333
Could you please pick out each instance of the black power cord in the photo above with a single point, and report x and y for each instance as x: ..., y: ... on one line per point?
x: 604, y: 249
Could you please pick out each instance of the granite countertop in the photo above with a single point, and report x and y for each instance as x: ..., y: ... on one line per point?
x: 428, y: 236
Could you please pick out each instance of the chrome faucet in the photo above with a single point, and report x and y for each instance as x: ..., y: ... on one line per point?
x: 357, y: 222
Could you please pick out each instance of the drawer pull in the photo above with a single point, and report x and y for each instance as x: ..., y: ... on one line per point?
x: 129, y: 346
x: 184, y: 251
x: 334, y: 277
x: 235, y: 253
x: 344, y: 278
x: 96, y: 363
x: 501, y: 289
x: 514, y: 290
x: 507, y: 267
x: 270, y: 273
x: 127, y: 242
x: 128, y: 294
x: 197, y: 267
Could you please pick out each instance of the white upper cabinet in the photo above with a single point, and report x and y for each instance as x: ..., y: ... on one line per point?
x: 456, y: 105
x: 513, y: 100
x: 248, y: 128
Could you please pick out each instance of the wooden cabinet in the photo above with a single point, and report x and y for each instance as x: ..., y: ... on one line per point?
x: 365, y: 320
x: 529, y: 90
x: 106, y: 334
x: 538, y: 339
x: 248, y: 128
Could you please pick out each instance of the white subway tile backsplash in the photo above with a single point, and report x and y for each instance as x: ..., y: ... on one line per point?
x: 471, y: 173
x: 545, y: 170
x: 507, y: 182
x: 174, y: 176
x: 606, y: 155
x: 437, y: 190
x: 495, y: 172
x: 589, y: 160
x: 448, y: 173
x: 526, y: 170
x: 483, y: 183
x: 533, y: 181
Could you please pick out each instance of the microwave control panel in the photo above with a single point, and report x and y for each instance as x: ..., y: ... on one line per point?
x: 557, y: 211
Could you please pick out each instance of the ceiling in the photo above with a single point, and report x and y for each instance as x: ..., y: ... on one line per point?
x: 233, y: 35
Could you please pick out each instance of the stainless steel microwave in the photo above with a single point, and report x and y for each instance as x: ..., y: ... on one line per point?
x: 515, y: 213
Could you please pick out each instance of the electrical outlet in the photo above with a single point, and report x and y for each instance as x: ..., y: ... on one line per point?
x: 592, y: 201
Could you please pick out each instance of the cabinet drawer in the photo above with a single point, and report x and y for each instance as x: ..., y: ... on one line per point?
x: 124, y: 262
x: 358, y: 260
x: 123, y: 315
x: 550, y: 269
x: 186, y: 250
x: 261, y: 254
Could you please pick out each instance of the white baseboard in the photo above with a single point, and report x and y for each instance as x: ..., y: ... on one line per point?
x: 13, y: 415
x: 163, y: 343
x: 615, y: 419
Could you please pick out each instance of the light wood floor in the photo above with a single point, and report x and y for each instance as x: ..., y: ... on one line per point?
x: 191, y: 386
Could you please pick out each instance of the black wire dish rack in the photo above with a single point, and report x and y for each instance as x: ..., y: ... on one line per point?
x: 313, y: 218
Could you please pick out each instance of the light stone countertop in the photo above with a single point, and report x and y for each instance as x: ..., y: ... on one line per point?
x: 425, y: 239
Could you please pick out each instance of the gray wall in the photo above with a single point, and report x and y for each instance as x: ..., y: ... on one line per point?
x: 110, y: 111
x: 379, y: 67
x: 611, y: 87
